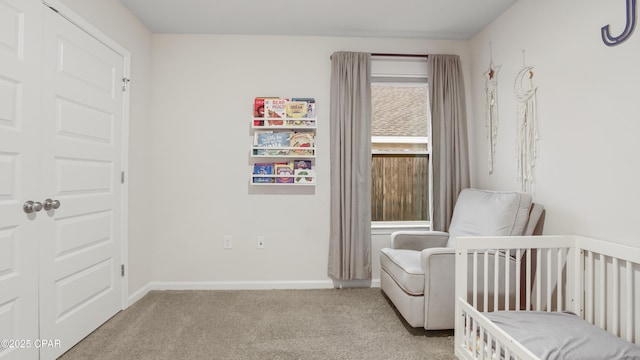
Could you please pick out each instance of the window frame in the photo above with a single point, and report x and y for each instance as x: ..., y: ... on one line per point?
x: 385, y: 227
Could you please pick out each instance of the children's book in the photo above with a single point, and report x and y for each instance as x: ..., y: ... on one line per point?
x: 307, y: 113
x: 302, y: 165
x: 311, y: 106
x: 274, y: 111
x: 263, y: 169
x: 304, y: 176
x: 258, y: 110
x: 256, y: 136
x: 284, y: 169
x: 279, y: 142
x: 296, y: 110
x: 303, y: 139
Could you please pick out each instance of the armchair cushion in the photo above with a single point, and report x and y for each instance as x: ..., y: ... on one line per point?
x: 404, y: 267
x: 489, y: 213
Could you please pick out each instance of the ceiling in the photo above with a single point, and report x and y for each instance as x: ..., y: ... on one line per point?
x: 426, y: 19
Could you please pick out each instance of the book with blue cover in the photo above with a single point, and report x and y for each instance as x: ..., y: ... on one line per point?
x: 263, y: 169
x: 276, y: 143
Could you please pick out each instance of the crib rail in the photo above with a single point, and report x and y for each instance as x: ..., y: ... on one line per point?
x: 599, y: 281
x: 481, y: 339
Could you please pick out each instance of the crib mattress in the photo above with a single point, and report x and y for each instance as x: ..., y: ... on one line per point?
x: 556, y: 335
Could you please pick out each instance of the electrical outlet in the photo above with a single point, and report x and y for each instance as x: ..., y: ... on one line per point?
x: 227, y: 242
x: 260, y: 242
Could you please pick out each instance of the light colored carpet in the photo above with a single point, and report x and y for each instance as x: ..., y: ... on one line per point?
x: 262, y: 324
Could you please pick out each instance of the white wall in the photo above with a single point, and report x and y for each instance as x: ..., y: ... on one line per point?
x: 203, y: 91
x: 115, y: 21
x: 588, y: 169
x: 190, y: 136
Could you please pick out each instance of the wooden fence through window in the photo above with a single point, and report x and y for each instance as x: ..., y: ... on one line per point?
x: 400, y: 188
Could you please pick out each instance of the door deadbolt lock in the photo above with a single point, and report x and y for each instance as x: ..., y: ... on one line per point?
x: 51, y: 204
x: 31, y: 206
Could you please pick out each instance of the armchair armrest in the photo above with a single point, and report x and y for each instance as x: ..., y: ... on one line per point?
x: 427, y: 255
x: 438, y: 265
x: 418, y: 240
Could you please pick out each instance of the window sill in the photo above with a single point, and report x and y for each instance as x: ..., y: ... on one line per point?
x: 387, y: 227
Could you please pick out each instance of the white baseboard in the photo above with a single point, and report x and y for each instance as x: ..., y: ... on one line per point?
x: 242, y: 285
x: 353, y: 284
x: 139, y: 294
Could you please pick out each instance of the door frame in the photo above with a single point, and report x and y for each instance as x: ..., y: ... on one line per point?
x: 64, y: 11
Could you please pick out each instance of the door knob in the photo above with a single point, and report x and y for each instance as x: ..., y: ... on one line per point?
x: 31, y: 206
x: 51, y: 204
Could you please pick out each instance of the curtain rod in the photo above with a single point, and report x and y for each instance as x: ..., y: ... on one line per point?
x: 401, y: 55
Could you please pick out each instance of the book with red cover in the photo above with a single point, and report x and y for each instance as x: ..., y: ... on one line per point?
x: 258, y: 110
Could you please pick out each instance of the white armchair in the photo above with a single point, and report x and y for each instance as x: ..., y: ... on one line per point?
x: 417, y: 271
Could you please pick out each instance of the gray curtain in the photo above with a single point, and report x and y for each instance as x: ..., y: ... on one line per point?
x: 350, y: 120
x: 450, y: 150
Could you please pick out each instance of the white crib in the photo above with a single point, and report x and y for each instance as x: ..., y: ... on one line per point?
x: 595, y: 280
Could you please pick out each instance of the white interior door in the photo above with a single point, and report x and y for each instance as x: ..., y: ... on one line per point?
x: 20, y: 32
x: 80, y: 260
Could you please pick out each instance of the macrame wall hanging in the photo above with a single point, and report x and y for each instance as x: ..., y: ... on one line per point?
x: 526, y: 126
x: 491, y: 108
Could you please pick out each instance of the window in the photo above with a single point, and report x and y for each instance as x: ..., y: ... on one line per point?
x: 400, y: 133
